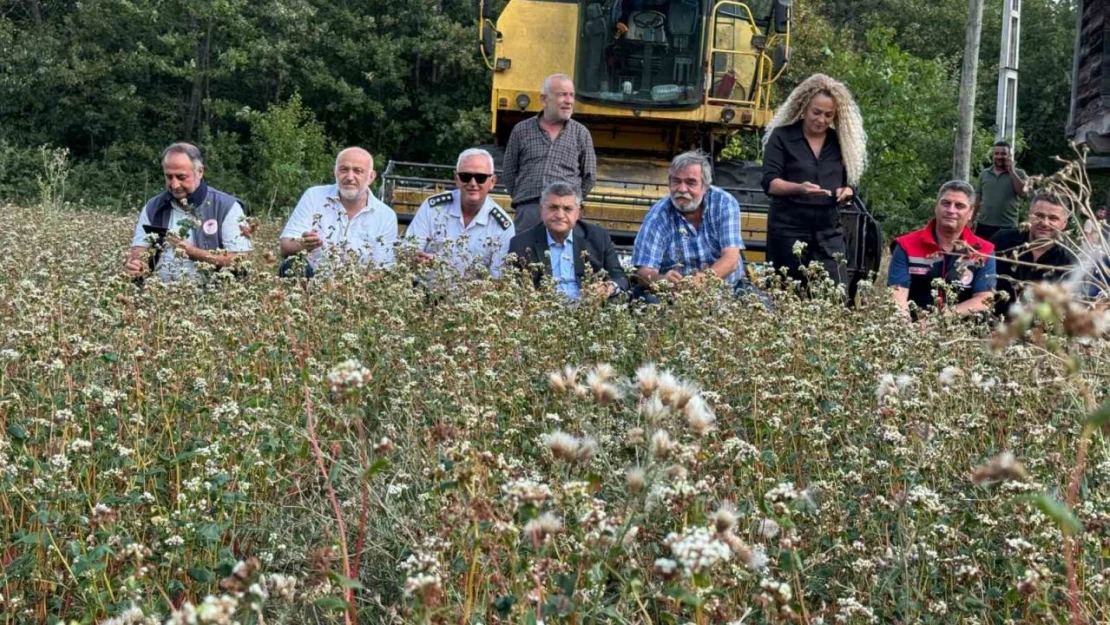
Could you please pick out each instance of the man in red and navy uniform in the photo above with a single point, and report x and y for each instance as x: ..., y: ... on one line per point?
x: 947, y: 250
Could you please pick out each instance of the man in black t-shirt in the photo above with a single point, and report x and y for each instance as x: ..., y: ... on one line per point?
x: 1036, y: 255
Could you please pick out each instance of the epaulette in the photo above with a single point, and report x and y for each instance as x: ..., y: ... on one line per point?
x: 500, y: 217
x: 440, y: 198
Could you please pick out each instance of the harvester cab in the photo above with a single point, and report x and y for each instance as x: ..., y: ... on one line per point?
x: 653, y: 78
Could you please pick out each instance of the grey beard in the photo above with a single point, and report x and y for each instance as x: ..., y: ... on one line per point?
x: 349, y: 195
x: 689, y: 209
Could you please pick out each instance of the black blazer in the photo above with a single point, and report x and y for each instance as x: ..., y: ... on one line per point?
x: 592, y: 244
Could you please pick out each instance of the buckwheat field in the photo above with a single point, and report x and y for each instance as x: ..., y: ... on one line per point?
x: 257, y: 450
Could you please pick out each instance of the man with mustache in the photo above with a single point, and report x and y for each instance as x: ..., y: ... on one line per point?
x: 341, y: 221
x: 692, y: 233
x: 1033, y: 256
x: 547, y: 148
x: 200, y: 223
x: 1001, y: 187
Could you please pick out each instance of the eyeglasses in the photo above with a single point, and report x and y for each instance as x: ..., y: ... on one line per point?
x: 466, y: 177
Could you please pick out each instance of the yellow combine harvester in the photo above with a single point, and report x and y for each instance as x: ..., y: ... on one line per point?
x: 687, y: 74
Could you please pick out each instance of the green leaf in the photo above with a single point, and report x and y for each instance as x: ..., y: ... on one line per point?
x: 331, y: 603
x: 1057, y: 511
x: 1100, y: 417
x: 17, y: 432
x: 375, y: 468
x: 343, y: 581
x: 334, y: 473
x: 198, y: 574
x: 683, y: 595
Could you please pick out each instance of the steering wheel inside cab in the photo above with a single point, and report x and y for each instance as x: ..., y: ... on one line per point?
x: 649, y: 19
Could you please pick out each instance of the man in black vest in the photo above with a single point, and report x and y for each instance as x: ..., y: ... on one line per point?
x: 561, y: 247
x: 1033, y: 256
x: 188, y: 223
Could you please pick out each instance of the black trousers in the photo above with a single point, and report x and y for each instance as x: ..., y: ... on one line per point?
x: 818, y: 228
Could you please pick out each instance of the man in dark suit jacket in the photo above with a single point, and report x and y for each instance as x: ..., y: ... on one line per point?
x: 563, y: 246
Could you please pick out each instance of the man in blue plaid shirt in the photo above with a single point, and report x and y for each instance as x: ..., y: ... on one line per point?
x: 691, y: 232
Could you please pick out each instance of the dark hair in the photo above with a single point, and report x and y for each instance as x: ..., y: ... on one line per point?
x: 1051, y: 198
x: 560, y: 189
x: 958, y: 186
x: 1002, y: 144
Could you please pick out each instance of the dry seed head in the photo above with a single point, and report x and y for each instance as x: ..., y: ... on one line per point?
x: 724, y: 519
x: 661, y: 444
x: 541, y: 527
x: 635, y: 478
x: 647, y: 379
x: 562, y: 445
x: 603, y: 372
x: 587, y: 449
x: 699, y: 415
x: 557, y: 382
x: 1002, y: 468
x: 686, y: 391
x: 653, y: 410
x: 635, y: 436
x: 676, y: 472
x: 668, y: 387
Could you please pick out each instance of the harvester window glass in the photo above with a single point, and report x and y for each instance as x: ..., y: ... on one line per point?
x: 642, y: 53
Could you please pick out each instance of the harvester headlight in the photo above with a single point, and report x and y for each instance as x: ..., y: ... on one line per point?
x: 522, y: 101
x: 728, y: 115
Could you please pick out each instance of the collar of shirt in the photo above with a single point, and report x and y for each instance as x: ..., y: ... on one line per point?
x: 332, y: 196
x: 551, y: 242
x: 481, y: 219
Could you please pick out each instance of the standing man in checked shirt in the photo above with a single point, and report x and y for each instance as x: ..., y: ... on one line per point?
x: 692, y: 232
x: 464, y: 226
x: 550, y: 147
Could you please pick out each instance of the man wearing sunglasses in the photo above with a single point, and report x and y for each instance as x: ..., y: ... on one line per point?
x: 464, y: 227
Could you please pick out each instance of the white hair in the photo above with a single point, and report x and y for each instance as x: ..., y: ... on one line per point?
x: 475, y: 152
x: 189, y: 150
x: 546, y: 88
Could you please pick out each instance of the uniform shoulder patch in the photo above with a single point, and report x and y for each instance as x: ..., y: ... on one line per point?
x: 500, y: 217
x: 440, y: 198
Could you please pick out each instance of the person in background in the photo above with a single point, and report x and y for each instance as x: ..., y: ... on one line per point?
x: 465, y: 223
x: 562, y: 246
x: 547, y: 148
x: 945, y: 249
x: 1000, y: 189
x: 200, y: 223
x: 815, y: 152
x: 1033, y: 256
x: 341, y: 220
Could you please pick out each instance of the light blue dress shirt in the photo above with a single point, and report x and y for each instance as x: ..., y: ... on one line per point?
x: 562, y: 265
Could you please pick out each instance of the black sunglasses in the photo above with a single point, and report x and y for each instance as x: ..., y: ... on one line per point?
x: 466, y: 177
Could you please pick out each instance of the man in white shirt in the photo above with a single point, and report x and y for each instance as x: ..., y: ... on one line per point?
x: 464, y: 227
x: 188, y: 223
x: 341, y: 221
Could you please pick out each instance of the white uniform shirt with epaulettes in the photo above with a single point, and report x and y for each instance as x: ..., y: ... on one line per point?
x: 437, y: 229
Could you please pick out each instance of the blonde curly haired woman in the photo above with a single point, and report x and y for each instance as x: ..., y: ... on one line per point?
x: 814, y: 153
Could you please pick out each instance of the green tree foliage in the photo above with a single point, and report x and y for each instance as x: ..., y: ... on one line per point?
x: 117, y: 80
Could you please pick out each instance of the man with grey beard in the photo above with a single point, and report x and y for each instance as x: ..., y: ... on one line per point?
x: 693, y: 232
x: 341, y: 221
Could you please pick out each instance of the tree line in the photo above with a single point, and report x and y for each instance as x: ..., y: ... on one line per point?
x: 271, y: 90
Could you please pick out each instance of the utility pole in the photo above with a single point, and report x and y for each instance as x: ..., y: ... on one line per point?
x: 1006, y: 118
x: 961, y: 162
